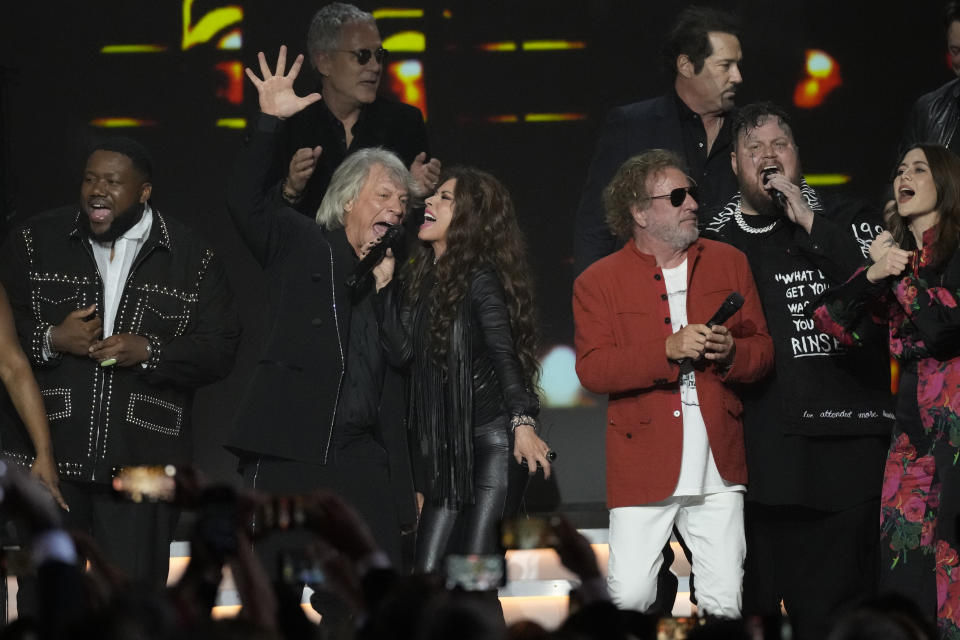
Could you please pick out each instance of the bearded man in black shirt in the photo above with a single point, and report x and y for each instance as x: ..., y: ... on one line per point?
x: 817, y: 429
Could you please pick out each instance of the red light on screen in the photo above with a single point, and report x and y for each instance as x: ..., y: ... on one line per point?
x: 406, y: 82
x: 822, y: 77
x: 232, y: 87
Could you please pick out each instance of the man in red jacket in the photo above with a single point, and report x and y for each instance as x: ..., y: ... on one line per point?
x: 675, y: 451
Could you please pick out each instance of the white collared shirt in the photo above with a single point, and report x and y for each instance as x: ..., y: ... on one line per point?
x: 114, y: 272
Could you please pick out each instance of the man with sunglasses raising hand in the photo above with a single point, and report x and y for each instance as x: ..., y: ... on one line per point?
x: 674, y: 438
x: 345, y: 49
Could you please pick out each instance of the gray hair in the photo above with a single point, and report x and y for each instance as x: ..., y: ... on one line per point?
x: 351, y: 175
x: 324, y: 32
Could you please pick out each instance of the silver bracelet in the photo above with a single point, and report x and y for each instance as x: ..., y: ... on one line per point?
x: 520, y: 419
x: 48, y: 343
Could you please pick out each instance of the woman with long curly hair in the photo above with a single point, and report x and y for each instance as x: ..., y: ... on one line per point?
x: 913, y: 284
x: 466, y: 328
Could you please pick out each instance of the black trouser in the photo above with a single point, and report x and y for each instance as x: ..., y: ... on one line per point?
x: 134, y: 538
x: 820, y: 563
x: 499, y: 483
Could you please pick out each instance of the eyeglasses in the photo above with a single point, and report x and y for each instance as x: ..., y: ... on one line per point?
x: 678, y: 195
x: 364, y: 55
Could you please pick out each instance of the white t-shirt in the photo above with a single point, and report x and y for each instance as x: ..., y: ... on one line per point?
x: 698, y: 470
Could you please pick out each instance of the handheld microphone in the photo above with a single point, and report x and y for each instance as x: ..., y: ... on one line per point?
x: 375, y: 255
x: 778, y: 196
x: 729, y: 307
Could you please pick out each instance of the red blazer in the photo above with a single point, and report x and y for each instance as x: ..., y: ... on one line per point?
x: 622, y: 322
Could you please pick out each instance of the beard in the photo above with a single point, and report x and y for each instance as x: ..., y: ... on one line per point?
x: 758, y: 199
x: 120, y: 225
x: 672, y: 234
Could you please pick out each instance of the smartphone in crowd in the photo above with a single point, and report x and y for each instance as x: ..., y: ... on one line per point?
x: 475, y: 572
x: 527, y: 533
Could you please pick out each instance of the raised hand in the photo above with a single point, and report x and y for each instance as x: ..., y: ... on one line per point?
x: 302, y: 164
x: 796, y: 209
x: 425, y: 174
x: 277, y: 97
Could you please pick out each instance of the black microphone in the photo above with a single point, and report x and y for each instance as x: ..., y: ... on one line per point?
x: 375, y: 255
x: 777, y: 195
x: 729, y: 307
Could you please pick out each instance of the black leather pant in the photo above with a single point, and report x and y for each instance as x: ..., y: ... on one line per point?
x: 499, y: 483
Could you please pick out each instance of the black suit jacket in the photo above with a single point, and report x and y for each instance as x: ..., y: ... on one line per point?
x: 290, y: 405
x: 628, y: 131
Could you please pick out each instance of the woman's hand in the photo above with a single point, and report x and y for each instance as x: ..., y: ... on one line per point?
x: 880, y: 245
x: 893, y: 262
x: 44, y: 469
x: 528, y: 445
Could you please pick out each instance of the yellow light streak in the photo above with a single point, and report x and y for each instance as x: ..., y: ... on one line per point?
x: 552, y: 45
x: 133, y: 48
x: 121, y: 123
x: 209, y: 25
x: 406, y: 41
x: 387, y: 14
x: 554, y: 117
x: 232, y: 123
x: 506, y: 45
x: 826, y: 179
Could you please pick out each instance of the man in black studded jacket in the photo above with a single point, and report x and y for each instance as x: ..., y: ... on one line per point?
x: 123, y: 314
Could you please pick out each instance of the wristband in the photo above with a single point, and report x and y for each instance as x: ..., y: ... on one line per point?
x: 520, y: 419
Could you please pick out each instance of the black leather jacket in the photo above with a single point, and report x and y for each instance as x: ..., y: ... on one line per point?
x: 934, y: 117
x: 483, y: 378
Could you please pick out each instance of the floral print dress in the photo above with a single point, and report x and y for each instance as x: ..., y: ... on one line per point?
x: 920, y: 502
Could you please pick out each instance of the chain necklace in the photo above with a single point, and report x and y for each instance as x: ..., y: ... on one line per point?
x: 738, y: 217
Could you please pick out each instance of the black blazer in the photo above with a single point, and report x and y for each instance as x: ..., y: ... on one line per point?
x: 291, y: 401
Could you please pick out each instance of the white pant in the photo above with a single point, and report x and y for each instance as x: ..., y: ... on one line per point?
x: 712, y: 527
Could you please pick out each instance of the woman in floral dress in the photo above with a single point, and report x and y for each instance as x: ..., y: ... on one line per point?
x: 914, y: 284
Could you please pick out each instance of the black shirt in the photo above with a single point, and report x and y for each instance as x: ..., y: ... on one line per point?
x: 710, y: 171
x: 395, y: 126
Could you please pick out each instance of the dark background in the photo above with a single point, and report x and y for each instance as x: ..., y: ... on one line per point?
x: 55, y: 81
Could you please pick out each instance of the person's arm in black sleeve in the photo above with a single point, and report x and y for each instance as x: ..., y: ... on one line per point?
x: 248, y: 193
x: 206, y: 351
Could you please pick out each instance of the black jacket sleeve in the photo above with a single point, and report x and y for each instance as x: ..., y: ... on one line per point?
x: 492, y: 317
x: 249, y: 202
x: 207, y: 350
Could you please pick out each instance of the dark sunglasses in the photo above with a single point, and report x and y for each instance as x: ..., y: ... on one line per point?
x: 364, y: 55
x: 678, y: 195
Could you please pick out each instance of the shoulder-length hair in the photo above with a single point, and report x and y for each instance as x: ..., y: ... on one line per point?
x: 349, y: 178
x: 945, y: 169
x: 483, y: 232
